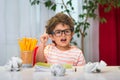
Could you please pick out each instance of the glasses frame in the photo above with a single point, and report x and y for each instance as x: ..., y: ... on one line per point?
x: 62, y: 31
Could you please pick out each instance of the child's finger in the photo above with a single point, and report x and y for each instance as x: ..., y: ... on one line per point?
x: 44, y: 38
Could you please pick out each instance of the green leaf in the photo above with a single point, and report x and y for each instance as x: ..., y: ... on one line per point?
x: 67, y: 10
x: 38, y: 2
x: 86, y: 25
x: 103, y: 20
x: 33, y: 2
x: 69, y: 2
x: 85, y: 1
x: 72, y: 8
x: 118, y: 5
x: 62, y: 7
x: 53, y: 7
x: 85, y: 34
x: 85, y: 7
x: 81, y: 16
x: 78, y: 35
x: 92, y: 15
x: 75, y: 23
x: 103, y: 2
x: 91, y: 3
x: 107, y: 9
x: 74, y: 42
x: 77, y: 29
x: 48, y: 3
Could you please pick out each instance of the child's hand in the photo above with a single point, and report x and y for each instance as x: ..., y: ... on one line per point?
x: 44, y: 38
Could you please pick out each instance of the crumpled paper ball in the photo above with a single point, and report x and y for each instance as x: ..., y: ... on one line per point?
x: 14, y: 64
x: 57, y: 70
x: 95, y: 67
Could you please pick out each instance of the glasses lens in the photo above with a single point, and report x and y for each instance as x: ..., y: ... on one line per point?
x: 68, y: 31
x: 59, y: 32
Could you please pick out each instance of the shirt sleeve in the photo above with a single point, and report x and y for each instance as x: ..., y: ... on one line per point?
x: 46, y: 51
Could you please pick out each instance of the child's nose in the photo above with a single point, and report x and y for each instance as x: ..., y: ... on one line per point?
x: 63, y: 33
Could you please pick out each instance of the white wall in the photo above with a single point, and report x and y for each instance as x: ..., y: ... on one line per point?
x: 19, y: 19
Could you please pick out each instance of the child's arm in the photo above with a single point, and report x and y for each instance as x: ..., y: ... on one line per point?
x: 40, y: 52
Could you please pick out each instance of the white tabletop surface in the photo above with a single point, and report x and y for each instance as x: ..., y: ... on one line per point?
x: 108, y: 73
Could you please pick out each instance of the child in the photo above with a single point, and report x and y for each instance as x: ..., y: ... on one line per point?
x: 60, y: 30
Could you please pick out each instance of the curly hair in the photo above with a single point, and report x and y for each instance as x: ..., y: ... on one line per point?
x: 59, y: 18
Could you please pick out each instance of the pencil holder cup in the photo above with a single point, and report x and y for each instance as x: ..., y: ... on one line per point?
x: 27, y: 58
x: 27, y: 46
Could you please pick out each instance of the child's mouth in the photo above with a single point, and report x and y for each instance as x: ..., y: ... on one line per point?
x: 63, y: 40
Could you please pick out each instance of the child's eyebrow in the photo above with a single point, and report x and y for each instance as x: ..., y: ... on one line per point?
x: 61, y: 29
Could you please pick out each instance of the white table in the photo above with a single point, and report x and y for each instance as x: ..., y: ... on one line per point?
x: 109, y: 73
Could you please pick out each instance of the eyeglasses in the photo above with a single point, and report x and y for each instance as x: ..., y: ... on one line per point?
x: 58, y: 33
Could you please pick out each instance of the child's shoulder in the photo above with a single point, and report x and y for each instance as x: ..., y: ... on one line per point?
x: 50, y: 46
x: 75, y: 48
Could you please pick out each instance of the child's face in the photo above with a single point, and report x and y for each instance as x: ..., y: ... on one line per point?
x: 62, y: 35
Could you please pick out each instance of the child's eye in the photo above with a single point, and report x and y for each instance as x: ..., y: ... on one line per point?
x: 57, y: 32
x: 67, y: 31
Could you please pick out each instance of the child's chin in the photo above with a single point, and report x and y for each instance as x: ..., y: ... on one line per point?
x: 64, y: 45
